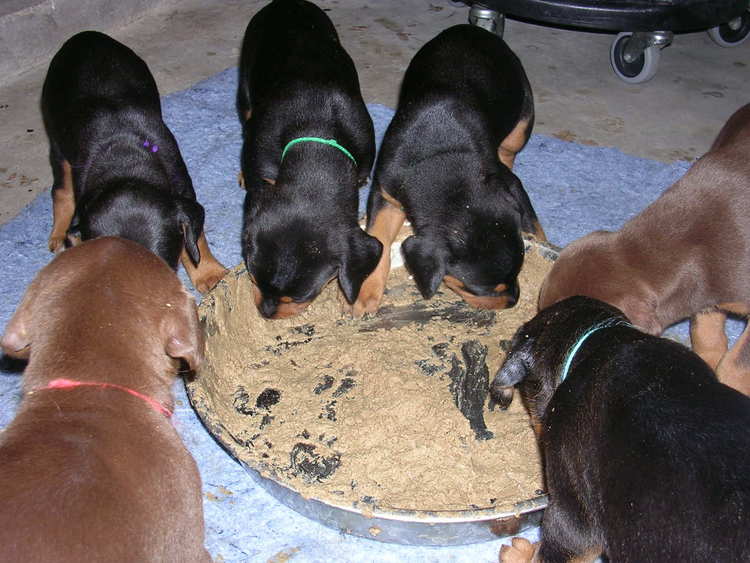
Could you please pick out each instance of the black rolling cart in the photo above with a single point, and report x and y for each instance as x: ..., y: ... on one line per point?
x: 645, y: 26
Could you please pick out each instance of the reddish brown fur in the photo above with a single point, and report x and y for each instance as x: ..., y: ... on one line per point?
x: 92, y: 473
x: 685, y: 254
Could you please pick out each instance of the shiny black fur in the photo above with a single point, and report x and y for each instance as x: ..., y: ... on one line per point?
x: 463, y: 93
x: 100, y: 106
x: 300, y: 216
x: 646, y: 454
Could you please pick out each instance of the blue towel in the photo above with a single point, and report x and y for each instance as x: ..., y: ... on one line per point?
x: 574, y: 188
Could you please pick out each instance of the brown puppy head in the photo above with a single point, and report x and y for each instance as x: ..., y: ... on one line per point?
x: 106, y: 284
x: 599, y: 266
x: 540, y: 347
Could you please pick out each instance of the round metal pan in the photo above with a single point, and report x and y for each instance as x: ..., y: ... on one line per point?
x: 410, y: 527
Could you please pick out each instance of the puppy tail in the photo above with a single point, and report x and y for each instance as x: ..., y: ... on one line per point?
x: 190, y: 215
x: 359, y: 262
x: 426, y: 262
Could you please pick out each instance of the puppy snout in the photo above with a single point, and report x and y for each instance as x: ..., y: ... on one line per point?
x: 268, y: 307
x: 512, y: 294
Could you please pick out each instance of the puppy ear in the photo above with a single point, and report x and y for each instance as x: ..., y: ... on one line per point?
x: 426, y: 262
x: 190, y: 215
x: 515, y: 368
x: 183, y: 333
x: 529, y: 220
x: 16, y: 341
x: 359, y: 262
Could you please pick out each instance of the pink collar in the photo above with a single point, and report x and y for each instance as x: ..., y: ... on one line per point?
x: 72, y: 384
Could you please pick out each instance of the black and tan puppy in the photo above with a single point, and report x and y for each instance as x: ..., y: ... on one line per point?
x: 117, y: 168
x: 646, y: 454
x: 465, y: 110
x: 309, y: 145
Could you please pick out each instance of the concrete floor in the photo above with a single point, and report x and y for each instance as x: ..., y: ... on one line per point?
x: 578, y: 98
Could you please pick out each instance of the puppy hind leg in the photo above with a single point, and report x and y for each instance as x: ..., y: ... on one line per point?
x: 707, y: 336
x: 513, y: 143
x: 209, y: 270
x: 63, y: 205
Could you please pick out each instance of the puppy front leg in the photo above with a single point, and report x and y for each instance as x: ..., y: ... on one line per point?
x: 63, y: 208
x: 385, y: 225
x: 734, y: 367
x: 707, y: 336
x: 565, y: 537
x: 209, y: 270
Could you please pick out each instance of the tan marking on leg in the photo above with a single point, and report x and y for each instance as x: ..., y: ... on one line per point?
x: 385, y: 228
x: 248, y: 113
x: 209, y: 270
x: 513, y: 143
x: 241, y: 179
x: 63, y: 209
x: 392, y: 200
x: 707, y: 336
x: 734, y: 367
x: 538, y: 232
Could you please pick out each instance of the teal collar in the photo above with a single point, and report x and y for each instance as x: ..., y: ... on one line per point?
x: 329, y: 142
x: 577, y: 346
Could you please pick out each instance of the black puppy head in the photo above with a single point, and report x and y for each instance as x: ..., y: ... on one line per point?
x: 291, y: 261
x: 478, y: 257
x: 161, y: 222
x: 539, y: 349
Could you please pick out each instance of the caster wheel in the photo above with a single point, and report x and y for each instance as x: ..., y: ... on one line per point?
x: 732, y: 33
x: 639, y: 70
x: 491, y: 20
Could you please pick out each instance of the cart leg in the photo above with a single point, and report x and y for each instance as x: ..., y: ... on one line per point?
x: 485, y: 18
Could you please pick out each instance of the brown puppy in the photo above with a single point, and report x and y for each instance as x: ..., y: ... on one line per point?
x: 92, y: 468
x: 686, y: 255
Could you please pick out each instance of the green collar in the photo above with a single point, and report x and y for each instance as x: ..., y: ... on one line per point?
x: 329, y: 142
x: 607, y: 323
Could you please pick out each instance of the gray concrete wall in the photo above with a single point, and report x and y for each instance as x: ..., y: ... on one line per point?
x: 32, y: 30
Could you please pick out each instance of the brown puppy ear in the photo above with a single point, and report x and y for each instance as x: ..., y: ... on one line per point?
x: 183, y: 333
x: 16, y: 341
x: 361, y: 259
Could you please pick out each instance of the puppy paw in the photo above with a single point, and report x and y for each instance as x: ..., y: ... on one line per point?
x: 520, y: 550
x: 241, y: 179
x: 367, y: 302
x: 56, y: 243
x: 209, y: 278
